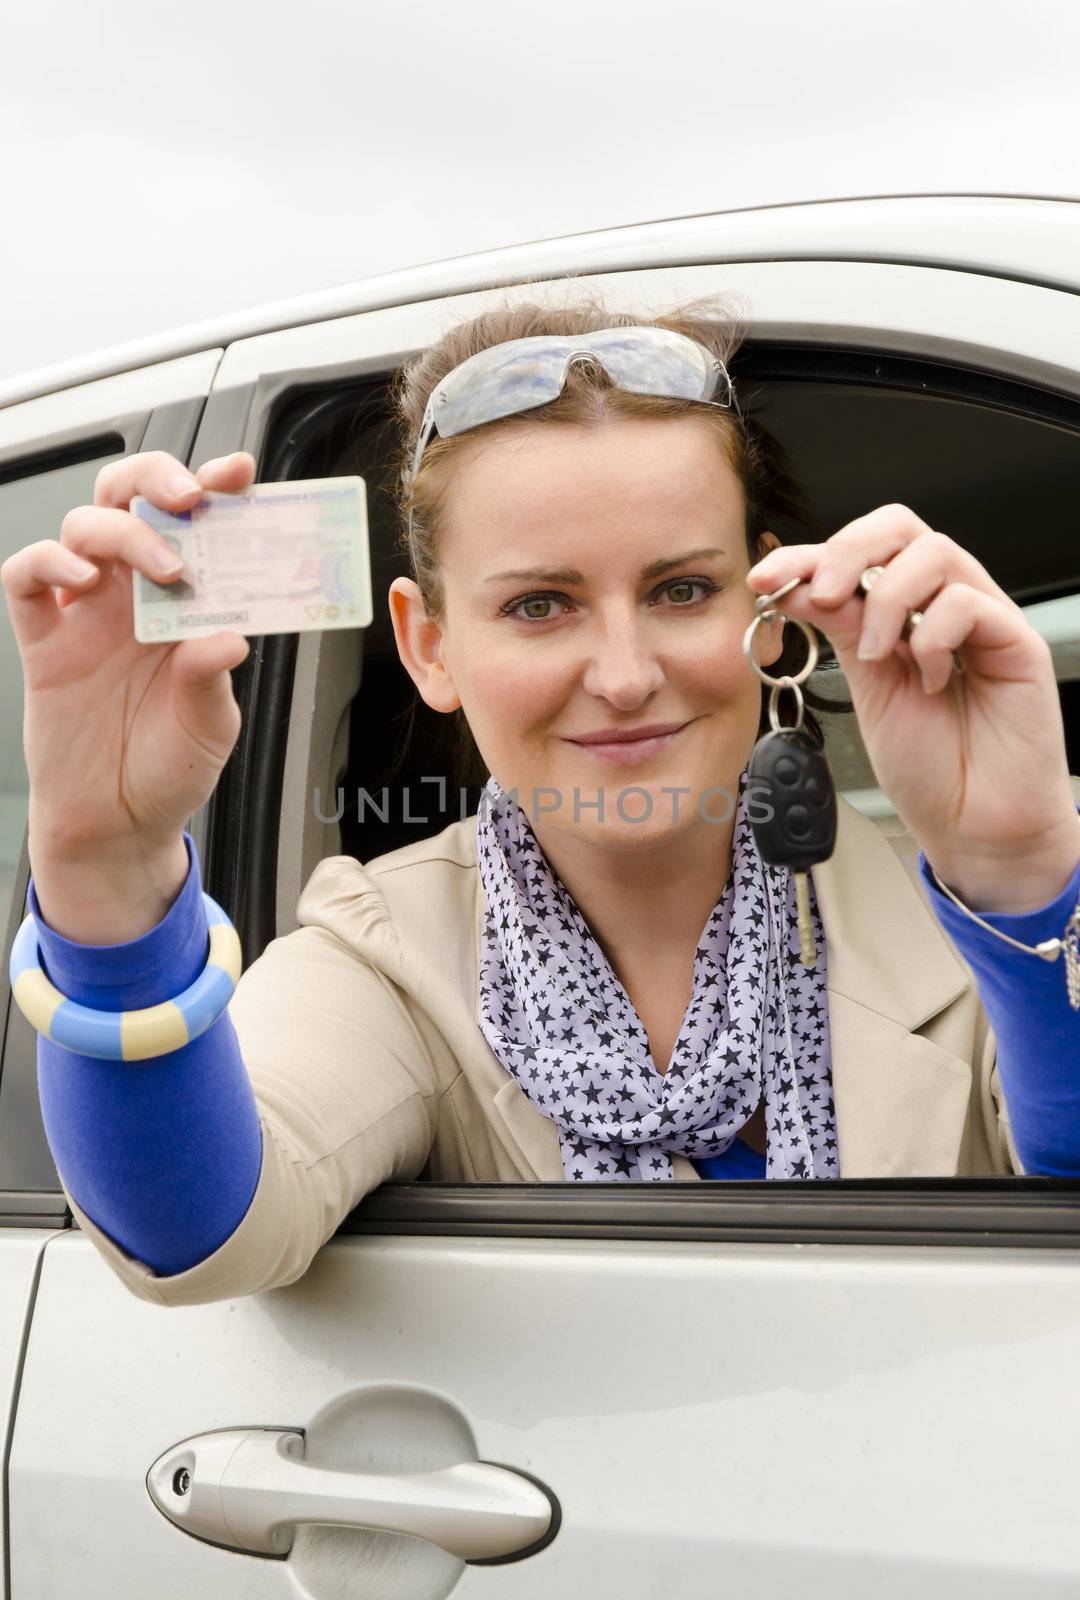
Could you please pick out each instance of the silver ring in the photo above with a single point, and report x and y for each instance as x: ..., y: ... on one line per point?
x: 869, y: 577
x: 774, y: 705
x: 789, y: 680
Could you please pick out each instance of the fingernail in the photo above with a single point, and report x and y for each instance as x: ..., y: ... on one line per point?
x: 182, y: 484
x: 167, y: 561
x: 84, y: 569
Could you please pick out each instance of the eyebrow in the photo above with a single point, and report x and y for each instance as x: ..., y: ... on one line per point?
x: 571, y: 575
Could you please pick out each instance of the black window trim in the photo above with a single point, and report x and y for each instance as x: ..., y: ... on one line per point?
x: 1007, y: 1212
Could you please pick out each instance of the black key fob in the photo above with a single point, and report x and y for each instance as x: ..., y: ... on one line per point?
x: 791, y: 780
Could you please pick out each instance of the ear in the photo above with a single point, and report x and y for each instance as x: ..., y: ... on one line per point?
x: 769, y: 638
x: 419, y: 640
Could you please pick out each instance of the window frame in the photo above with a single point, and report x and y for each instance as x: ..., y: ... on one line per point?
x: 1013, y: 1212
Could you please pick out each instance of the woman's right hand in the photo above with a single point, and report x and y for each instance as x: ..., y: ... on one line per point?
x: 124, y: 741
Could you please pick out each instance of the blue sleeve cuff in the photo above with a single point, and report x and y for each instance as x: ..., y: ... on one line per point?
x: 1036, y: 1031
x: 1030, y: 927
x: 136, y: 972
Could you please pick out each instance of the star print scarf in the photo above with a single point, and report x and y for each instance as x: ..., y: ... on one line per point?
x: 561, y: 1022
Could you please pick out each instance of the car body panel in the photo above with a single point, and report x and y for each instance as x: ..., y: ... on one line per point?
x: 1034, y: 239
x: 842, y: 1420
x: 1017, y: 329
x: 20, y: 1260
x: 85, y: 404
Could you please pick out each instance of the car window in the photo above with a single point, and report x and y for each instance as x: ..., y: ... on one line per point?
x: 32, y: 506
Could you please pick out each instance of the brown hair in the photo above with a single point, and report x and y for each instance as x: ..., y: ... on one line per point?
x: 588, y: 398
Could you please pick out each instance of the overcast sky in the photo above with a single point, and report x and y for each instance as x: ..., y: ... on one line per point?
x: 164, y: 164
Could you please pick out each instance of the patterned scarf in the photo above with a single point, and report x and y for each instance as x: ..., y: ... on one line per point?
x: 561, y: 1022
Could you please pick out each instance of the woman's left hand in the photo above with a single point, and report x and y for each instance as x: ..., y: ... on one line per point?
x: 974, y: 762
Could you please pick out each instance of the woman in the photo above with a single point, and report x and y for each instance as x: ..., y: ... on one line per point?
x: 596, y: 977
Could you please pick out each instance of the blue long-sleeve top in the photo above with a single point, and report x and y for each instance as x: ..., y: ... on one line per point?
x: 164, y: 1155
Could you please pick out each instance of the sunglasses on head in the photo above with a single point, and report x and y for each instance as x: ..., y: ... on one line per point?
x: 517, y: 376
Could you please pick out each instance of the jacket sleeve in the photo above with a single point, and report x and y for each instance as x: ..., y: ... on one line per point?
x: 343, y: 1083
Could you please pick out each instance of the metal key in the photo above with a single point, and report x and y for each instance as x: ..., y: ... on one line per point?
x: 801, y: 831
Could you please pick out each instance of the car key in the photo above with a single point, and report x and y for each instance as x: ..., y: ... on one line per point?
x: 801, y: 830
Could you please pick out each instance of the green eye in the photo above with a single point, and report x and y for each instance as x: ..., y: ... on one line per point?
x: 685, y: 592
x: 533, y: 607
x: 539, y: 607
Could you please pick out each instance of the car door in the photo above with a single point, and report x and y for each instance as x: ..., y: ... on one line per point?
x: 864, y: 1387
x: 51, y: 450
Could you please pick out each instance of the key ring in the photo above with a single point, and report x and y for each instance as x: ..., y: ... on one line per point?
x: 764, y: 609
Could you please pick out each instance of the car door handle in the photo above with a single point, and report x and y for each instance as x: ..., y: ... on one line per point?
x: 248, y: 1489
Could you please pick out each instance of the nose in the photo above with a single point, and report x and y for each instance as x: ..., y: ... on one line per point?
x: 622, y: 665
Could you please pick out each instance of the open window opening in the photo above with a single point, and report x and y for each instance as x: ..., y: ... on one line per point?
x: 990, y: 462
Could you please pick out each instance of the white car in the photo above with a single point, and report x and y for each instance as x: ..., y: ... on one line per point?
x: 859, y: 1388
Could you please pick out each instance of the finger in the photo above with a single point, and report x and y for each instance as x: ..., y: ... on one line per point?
x: 205, y: 704
x: 996, y: 636
x: 871, y: 540
x: 909, y: 583
x: 781, y: 565
x: 106, y: 534
x: 834, y: 566
x: 198, y: 663
x: 29, y: 578
x: 841, y: 624
x: 228, y: 473
x: 155, y: 474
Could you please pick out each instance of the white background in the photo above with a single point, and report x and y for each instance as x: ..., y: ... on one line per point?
x: 164, y: 164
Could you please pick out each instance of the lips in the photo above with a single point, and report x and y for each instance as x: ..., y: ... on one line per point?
x: 648, y: 730
x: 624, y: 747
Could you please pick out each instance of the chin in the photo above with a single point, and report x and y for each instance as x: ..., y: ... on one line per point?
x: 629, y: 819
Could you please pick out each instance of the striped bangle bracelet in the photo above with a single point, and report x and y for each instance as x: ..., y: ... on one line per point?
x: 127, y: 1035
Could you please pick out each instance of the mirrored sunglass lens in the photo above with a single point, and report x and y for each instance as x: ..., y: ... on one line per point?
x: 507, y: 383
x: 666, y: 372
x: 657, y: 361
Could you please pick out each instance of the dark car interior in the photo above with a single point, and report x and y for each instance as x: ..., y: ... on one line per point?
x: 990, y: 462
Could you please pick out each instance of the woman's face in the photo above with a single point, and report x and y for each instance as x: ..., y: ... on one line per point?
x: 594, y: 586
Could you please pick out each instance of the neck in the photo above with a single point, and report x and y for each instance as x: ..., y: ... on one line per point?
x: 649, y: 901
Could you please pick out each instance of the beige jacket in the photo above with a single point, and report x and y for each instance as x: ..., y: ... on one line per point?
x: 360, y: 1032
